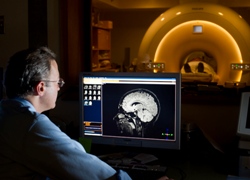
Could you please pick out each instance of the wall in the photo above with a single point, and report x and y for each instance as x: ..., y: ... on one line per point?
x: 16, y: 28
x: 129, y: 28
x: 54, y: 28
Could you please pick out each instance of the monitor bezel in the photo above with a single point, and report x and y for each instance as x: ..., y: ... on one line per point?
x: 242, y: 130
x: 135, y: 142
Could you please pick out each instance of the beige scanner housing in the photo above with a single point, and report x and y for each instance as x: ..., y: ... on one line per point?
x: 224, y: 39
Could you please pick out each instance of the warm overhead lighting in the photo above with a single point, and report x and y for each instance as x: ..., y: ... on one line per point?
x: 240, y: 16
x: 220, y: 13
x: 162, y: 19
x: 178, y: 13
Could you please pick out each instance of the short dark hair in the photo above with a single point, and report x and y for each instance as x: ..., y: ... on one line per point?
x: 26, y: 69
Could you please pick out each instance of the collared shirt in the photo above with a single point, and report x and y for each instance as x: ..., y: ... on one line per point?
x: 33, y: 147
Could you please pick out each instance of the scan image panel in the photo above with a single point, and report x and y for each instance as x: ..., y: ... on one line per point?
x: 138, y: 110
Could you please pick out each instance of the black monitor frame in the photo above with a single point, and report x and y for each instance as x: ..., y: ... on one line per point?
x: 1, y: 81
x: 243, y: 129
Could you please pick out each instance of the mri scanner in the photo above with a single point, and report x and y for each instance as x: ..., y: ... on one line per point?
x: 215, y: 34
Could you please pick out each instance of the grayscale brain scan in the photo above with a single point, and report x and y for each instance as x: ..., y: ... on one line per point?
x: 137, y: 109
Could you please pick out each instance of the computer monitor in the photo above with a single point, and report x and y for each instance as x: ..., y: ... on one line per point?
x: 131, y: 109
x: 243, y: 129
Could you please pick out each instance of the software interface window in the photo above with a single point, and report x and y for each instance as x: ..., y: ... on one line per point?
x: 134, y: 108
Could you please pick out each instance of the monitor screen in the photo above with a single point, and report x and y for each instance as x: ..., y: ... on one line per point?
x: 244, y: 116
x: 131, y: 109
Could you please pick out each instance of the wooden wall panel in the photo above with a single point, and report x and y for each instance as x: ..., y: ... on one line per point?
x: 75, y: 22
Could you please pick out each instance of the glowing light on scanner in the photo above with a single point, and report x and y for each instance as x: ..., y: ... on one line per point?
x: 220, y: 13
x: 162, y: 17
x: 178, y: 13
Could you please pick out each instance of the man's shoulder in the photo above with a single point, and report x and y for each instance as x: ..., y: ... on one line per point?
x: 20, y: 113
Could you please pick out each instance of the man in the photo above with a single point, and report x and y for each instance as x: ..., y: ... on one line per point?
x: 32, y: 147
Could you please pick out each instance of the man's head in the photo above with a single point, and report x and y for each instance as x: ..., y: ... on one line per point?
x: 33, y: 73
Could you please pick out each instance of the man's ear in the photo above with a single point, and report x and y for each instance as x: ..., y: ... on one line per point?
x: 40, y: 88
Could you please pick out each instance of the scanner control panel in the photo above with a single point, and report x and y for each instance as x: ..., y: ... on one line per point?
x: 240, y: 66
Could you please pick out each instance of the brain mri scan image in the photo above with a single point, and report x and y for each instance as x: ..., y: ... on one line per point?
x: 137, y: 109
